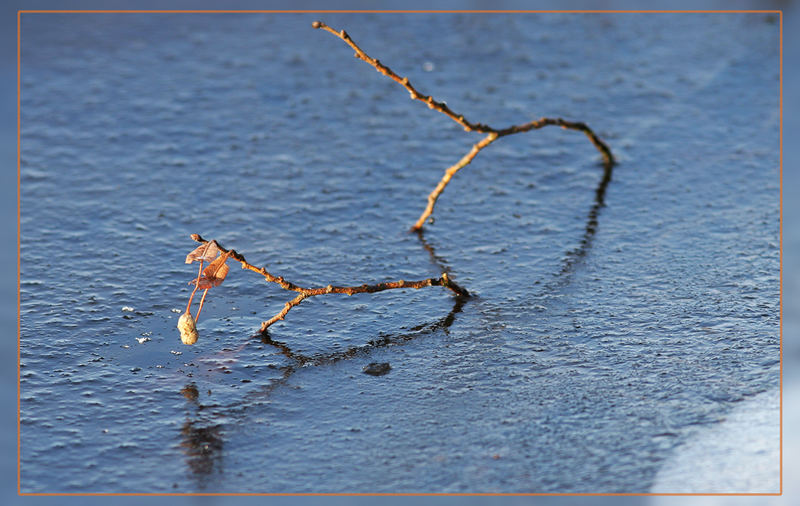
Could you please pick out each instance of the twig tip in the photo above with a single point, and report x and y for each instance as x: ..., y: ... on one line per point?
x: 316, y: 24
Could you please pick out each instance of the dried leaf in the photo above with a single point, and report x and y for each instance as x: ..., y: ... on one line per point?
x: 205, y: 252
x: 216, y: 271
x: 202, y: 283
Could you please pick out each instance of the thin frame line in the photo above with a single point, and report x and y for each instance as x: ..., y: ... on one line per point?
x: 19, y: 233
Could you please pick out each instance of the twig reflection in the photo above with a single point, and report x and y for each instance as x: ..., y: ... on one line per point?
x: 202, y: 443
x: 574, y: 255
x: 301, y: 360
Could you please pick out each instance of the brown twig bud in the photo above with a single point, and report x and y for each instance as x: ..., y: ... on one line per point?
x: 188, y: 329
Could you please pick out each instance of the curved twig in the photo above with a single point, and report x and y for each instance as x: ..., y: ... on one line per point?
x: 493, y: 133
x: 304, y: 293
x: 448, y: 174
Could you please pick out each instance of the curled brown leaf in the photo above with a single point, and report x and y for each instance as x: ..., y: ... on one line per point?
x: 206, y: 252
x: 214, y: 274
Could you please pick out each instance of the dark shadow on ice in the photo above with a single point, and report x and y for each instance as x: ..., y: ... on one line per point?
x: 381, y: 341
x: 201, y: 442
x: 575, y: 255
x: 439, y: 262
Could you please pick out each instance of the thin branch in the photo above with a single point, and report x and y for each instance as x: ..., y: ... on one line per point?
x: 602, y: 147
x: 415, y: 95
x: 448, y: 174
x: 305, y: 293
x: 202, y: 299
x: 494, y: 133
x: 286, y: 308
x: 196, y: 286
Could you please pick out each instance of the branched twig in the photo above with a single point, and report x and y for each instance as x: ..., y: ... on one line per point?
x: 217, y: 269
x: 492, y: 133
x: 304, y: 293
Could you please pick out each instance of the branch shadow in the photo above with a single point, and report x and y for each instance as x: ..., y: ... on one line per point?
x: 201, y: 441
x: 575, y: 256
x: 382, y: 341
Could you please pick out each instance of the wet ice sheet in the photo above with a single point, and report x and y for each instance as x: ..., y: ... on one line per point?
x: 585, y: 362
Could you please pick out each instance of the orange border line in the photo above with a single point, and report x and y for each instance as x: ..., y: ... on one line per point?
x: 780, y: 237
x: 398, y: 12
x: 19, y: 235
x: 19, y: 251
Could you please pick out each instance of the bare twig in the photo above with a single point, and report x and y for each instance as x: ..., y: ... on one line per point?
x: 196, y: 286
x: 493, y: 133
x: 202, y: 299
x: 304, y: 293
x: 448, y: 174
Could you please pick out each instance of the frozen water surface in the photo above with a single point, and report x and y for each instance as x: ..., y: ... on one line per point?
x: 612, y: 325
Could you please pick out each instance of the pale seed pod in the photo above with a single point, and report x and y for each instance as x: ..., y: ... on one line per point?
x: 188, y: 329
